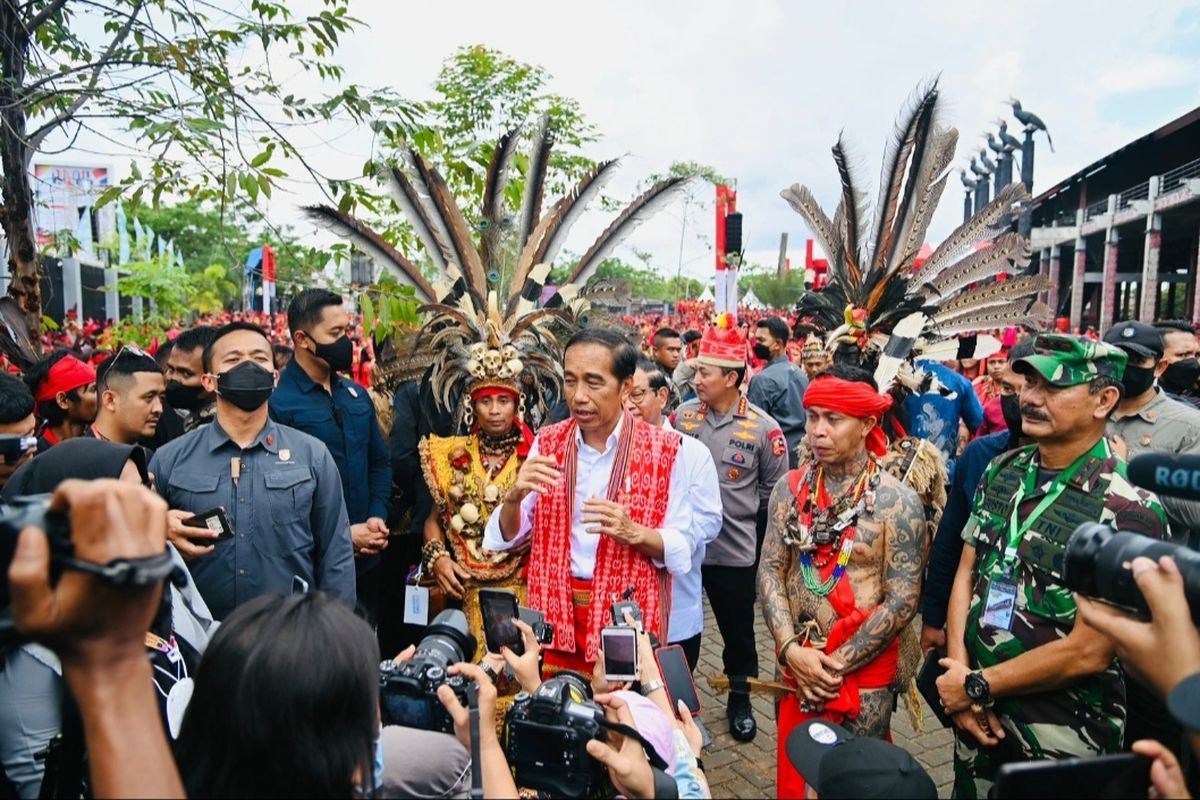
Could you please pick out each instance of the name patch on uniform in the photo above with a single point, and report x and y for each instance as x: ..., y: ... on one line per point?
x: 748, y: 446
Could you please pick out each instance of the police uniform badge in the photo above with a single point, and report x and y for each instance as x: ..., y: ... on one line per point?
x: 734, y: 473
x: 778, y: 443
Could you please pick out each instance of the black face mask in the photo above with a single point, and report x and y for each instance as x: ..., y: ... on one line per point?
x: 1137, y: 380
x: 247, y: 385
x: 762, y: 351
x: 185, y: 398
x: 1010, y: 407
x: 339, y: 354
x: 1180, y: 377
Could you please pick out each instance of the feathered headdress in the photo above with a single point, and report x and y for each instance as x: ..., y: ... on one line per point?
x: 879, y: 306
x: 477, y: 336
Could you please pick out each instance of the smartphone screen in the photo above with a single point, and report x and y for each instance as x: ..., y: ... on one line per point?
x: 672, y: 663
x: 499, y: 609
x: 1117, y: 775
x: 620, y: 653
x: 214, y: 520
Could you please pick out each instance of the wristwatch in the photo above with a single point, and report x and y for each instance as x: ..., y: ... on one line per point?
x: 978, y: 690
x: 651, y: 687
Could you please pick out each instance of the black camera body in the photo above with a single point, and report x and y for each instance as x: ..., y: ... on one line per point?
x: 32, y: 511
x: 408, y: 689
x: 1095, y: 559
x: 624, y: 605
x: 13, y: 446
x: 543, y: 632
x: 546, y: 736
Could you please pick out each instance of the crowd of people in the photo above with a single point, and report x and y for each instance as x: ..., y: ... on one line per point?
x: 300, y: 532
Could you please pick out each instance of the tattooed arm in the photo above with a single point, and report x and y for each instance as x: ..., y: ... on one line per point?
x: 904, y: 553
x: 774, y: 564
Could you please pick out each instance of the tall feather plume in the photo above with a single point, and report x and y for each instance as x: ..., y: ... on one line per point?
x: 993, y: 294
x: 410, y: 204
x: 904, y: 335
x: 976, y: 229
x: 905, y: 154
x: 642, y: 208
x: 576, y: 203
x: 461, y: 241
x: 493, y: 197
x: 1021, y: 313
x: 919, y: 213
x: 423, y: 199
x: 803, y: 203
x: 528, y: 256
x: 371, y: 243
x: 983, y: 264
x: 854, y: 208
x: 531, y: 293
x: 535, y: 180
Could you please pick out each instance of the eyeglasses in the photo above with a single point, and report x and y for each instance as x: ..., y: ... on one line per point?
x: 638, y: 395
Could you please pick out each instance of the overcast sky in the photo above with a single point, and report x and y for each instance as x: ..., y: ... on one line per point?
x: 759, y: 89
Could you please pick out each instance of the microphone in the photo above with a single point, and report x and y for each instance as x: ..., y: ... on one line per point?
x: 1167, y: 474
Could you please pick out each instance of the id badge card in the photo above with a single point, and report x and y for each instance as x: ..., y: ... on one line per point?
x: 1000, y: 602
x: 416, y: 601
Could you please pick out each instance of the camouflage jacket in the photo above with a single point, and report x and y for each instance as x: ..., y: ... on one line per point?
x: 1045, y: 608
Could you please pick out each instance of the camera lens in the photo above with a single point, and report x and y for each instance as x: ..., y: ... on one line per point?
x: 1097, y: 559
x: 448, y: 640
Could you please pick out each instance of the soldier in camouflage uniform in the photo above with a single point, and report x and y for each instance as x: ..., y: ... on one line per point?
x: 1025, y: 678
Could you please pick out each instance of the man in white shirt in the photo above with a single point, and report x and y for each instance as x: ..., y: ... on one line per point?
x: 603, y: 498
x: 647, y: 401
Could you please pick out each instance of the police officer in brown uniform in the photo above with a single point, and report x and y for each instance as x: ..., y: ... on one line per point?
x: 750, y: 453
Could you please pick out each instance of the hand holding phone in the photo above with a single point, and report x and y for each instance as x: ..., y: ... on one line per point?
x: 620, y: 647
x: 499, y: 611
x: 681, y: 687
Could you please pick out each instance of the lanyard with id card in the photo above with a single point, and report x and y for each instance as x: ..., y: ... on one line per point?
x: 1001, y: 599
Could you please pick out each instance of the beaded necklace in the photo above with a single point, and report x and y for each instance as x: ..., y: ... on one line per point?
x: 824, y: 528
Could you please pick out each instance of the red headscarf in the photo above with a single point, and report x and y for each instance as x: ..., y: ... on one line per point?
x: 855, y: 399
x: 67, y: 373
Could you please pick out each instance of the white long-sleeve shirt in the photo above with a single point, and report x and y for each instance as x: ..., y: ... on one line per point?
x: 593, y: 470
x: 704, y: 496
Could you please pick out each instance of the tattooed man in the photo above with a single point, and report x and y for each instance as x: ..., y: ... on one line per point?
x: 841, y: 567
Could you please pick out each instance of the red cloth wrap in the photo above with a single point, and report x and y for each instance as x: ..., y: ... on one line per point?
x: 876, y: 674
x: 67, y: 373
x: 855, y: 399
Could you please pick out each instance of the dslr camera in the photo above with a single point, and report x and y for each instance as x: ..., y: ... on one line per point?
x: 13, y: 447
x: 546, y: 736
x: 1095, y: 567
x: 408, y: 690
x: 32, y: 511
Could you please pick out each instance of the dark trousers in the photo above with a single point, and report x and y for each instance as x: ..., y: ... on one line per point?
x: 691, y: 650
x: 367, y: 590
x: 731, y: 592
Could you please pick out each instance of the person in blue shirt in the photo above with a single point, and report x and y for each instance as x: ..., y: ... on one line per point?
x: 313, y: 397
x: 947, y: 543
x: 934, y: 415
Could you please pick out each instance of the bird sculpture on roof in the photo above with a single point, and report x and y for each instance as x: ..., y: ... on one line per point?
x: 1010, y: 142
x: 1031, y: 121
x: 978, y: 170
x: 986, y: 162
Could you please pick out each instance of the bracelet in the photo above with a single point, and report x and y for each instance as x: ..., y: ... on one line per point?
x: 651, y: 687
x: 431, y: 552
x: 489, y: 671
x: 788, y: 642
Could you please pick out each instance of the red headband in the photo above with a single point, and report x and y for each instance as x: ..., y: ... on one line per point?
x: 488, y: 391
x: 67, y: 373
x: 854, y: 398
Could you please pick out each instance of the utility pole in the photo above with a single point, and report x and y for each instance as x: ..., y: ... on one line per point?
x: 781, y: 269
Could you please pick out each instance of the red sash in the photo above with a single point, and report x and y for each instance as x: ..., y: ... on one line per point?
x: 640, y: 481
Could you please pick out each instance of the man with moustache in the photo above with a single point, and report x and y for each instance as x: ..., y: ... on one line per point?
x: 603, y: 498
x: 1026, y: 678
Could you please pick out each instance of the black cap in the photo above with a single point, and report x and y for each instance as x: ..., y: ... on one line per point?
x: 1137, y: 338
x: 836, y: 764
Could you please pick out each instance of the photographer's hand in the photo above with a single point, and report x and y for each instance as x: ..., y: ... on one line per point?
x: 626, y: 763
x: 1166, y: 776
x: 497, y: 778
x: 98, y: 631
x: 1163, y: 651
x: 527, y: 667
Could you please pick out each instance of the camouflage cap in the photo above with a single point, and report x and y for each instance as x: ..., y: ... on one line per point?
x: 1071, y: 360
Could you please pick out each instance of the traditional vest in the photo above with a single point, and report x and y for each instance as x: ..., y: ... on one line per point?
x: 465, y: 498
x: 640, y: 481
